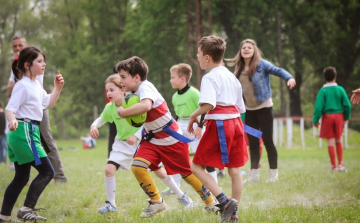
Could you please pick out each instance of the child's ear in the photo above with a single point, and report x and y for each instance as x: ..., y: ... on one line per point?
x: 27, y: 65
x: 137, y: 77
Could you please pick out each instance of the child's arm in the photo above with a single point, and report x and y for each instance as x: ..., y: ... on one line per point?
x: 355, y: 98
x: 139, y: 108
x: 318, y: 108
x: 132, y: 139
x: 13, y: 123
x: 58, y: 83
x: 94, y: 132
x: 205, y: 107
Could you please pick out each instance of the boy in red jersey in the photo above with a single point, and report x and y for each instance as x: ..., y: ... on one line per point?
x: 163, y: 141
x: 223, y: 143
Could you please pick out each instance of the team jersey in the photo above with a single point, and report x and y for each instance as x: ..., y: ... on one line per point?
x: 158, y: 116
x: 28, y: 99
x: 185, y: 104
x: 221, y: 87
x: 124, y: 130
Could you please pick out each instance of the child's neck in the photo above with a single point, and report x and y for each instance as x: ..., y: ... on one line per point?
x: 31, y: 77
x: 118, y: 103
x: 182, y: 86
x: 331, y: 82
x: 213, y: 65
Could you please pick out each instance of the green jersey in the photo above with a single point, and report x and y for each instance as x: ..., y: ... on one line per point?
x: 185, y: 104
x: 331, y: 99
x: 124, y: 130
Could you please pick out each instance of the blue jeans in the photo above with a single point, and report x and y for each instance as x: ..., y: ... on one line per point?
x: 3, y: 149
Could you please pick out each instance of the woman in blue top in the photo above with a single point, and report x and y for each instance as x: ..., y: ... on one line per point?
x: 254, y: 75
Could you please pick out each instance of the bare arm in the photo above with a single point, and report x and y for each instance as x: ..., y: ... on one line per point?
x: 13, y: 123
x: 201, y: 110
x: 58, y: 83
x: 139, y: 108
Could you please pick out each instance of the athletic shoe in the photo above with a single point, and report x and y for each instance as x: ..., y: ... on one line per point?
x: 167, y: 191
x: 234, y: 219
x: 273, y: 176
x: 153, y: 208
x: 107, y: 207
x: 59, y: 181
x: 186, y: 201
x: 221, y: 174
x: 227, y: 209
x: 253, y: 176
x: 212, y: 209
x: 341, y: 168
x: 334, y: 169
x: 31, y: 215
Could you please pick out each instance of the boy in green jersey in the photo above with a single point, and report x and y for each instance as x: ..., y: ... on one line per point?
x: 333, y: 106
x: 185, y: 102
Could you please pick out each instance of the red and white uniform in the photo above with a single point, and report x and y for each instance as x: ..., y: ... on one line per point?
x: 221, y: 89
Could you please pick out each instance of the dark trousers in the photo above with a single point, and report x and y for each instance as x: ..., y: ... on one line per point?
x: 37, y: 186
x: 112, y: 135
x: 262, y: 120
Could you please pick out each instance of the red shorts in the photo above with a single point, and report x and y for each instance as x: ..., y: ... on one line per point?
x: 332, y: 126
x: 175, y: 158
x: 208, y: 152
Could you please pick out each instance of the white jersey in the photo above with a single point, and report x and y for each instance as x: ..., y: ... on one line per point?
x: 221, y: 87
x: 40, y: 78
x: 28, y: 100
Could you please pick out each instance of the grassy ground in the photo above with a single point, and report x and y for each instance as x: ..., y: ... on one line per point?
x: 306, y: 191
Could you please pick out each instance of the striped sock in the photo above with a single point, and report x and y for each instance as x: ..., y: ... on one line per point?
x: 222, y: 199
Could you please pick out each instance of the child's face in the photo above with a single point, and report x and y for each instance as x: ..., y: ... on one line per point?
x: 176, y: 81
x: 38, y: 66
x: 114, y: 93
x: 129, y: 82
x: 203, y: 59
x: 247, y: 50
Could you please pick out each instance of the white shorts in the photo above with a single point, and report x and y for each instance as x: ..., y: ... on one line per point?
x: 183, y: 123
x: 122, y: 153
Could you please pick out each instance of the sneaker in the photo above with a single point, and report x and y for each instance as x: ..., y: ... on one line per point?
x: 212, y: 209
x: 153, y: 208
x: 167, y: 191
x: 334, y: 169
x: 234, y: 219
x: 253, y: 176
x: 58, y: 181
x: 107, y: 207
x: 273, y: 176
x: 221, y: 174
x: 30, y: 215
x: 186, y: 201
x: 227, y: 210
x: 341, y: 168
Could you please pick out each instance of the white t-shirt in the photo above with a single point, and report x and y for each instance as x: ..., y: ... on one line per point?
x: 28, y: 99
x: 221, y: 87
x: 40, y: 78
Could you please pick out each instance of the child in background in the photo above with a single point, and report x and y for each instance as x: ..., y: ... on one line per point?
x: 124, y: 147
x: 3, y: 147
x: 185, y: 102
x: 223, y: 143
x: 162, y: 137
x: 24, y: 113
x: 88, y: 141
x: 333, y: 105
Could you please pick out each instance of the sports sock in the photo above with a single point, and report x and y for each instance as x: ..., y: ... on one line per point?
x: 214, y: 175
x: 339, y: 152
x: 177, y: 179
x: 222, y: 199
x: 110, y: 189
x: 331, y: 151
x: 199, y: 187
x: 169, y: 181
x: 139, y: 169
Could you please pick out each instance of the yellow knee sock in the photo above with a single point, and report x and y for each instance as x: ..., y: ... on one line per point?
x: 139, y: 168
x: 204, y: 193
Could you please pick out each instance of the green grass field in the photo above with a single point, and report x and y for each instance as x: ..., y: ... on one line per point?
x: 306, y: 191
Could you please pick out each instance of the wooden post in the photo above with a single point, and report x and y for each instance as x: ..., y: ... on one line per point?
x: 302, y: 132
x: 289, y: 124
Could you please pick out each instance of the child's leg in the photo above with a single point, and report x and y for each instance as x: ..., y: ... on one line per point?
x: 110, y: 182
x: 339, y: 151
x: 169, y: 181
x: 331, y: 150
x: 203, y: 178
x: 12, y: 192
x: 38, y: 185
x: 236, y: 185
x: 212, y: 172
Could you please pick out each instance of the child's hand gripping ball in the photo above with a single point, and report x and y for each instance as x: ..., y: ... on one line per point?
x: 135, y: 120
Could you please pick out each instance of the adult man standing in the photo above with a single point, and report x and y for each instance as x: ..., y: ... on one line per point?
x: 18, y: 43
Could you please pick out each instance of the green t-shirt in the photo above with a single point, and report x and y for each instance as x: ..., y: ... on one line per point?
x: 124, y: 130
x: 331, y: 99
x: 185, y: 104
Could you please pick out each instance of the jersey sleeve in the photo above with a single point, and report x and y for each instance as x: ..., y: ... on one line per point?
x: 208, y: 92
x: 106, y: 114
x: 146, y: 92
x: 18, y: 97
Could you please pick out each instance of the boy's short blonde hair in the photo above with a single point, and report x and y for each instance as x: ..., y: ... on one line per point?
x: 213, y: 46
x: 182, y: 70
x: 115, y: 79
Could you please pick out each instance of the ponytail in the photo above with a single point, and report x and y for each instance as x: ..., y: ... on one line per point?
x: 17, y: 73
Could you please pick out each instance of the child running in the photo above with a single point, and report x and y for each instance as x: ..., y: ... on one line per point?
x: 223, y: 143
x: 162, y: 135
x: 185, y: 102
x: 24, y: 113
x: 124, y: 146
x: 333, y: 105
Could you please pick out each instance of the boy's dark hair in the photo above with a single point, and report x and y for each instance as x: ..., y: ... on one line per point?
x: 329, y: 73
x: 213, y: 46
x: 134, y: 65
x: 27, y: 55
x: 182, y: 70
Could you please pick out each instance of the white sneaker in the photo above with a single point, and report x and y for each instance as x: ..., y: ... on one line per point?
x: 273, y: 176
x: 341, y: 168
x: 107, y: 207
x: 186, y: 201
x: 253, y: 176
x: 153, y: 208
